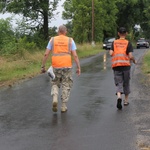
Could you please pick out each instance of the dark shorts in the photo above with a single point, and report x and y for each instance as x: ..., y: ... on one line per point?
x: 122, y: 81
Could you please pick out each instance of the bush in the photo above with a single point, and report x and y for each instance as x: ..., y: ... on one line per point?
x: 9, y: 48
x: 24, y: 44
x: 18, y: 47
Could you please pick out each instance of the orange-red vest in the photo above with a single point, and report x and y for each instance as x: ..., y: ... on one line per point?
x: 119, y: 57
x: 61, y: 52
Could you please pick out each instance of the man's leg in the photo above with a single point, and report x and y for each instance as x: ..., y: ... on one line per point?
x: 55, y: 88
x: 126, y: 100
x: 126, y: 86
x: 67, y: 83
x: 54, y: 93
x: 118, y: 78
x: 118, y: 94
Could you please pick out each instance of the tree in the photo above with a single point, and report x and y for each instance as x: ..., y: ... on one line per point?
x: 130, y: 13
x: 80, y: 13
x: 6, y: 32
x: 133, y: 12
x: 36, y: 13
x: 145, y: 21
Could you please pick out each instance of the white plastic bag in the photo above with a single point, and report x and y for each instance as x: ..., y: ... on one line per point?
x: 51, y: 73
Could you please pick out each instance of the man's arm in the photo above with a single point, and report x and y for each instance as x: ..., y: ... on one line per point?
x: 76, y: 59
x: 130, y: 52
x: 112, y: 49
x: 132, y: 58
x: 111, y: 52
x: 47, y: 52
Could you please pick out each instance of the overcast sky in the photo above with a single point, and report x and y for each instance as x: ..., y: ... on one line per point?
x: 59, y: 21
x: 55, y: 22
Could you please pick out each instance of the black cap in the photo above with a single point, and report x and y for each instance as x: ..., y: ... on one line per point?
x: 122, y: 30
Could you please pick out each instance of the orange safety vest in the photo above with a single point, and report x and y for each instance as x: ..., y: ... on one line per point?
x: 119, y: 57
x: 61, y: 51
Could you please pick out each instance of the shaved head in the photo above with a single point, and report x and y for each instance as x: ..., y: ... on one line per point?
x: 62, y: 29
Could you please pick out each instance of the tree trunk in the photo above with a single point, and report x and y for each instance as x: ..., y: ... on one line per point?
x: 45, y: 26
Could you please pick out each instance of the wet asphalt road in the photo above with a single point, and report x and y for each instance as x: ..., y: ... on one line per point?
x: 91, y: 123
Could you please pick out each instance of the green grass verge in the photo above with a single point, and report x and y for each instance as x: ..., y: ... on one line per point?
x: 87, y: 50
x: 16, y: 68
x: 146, y: 63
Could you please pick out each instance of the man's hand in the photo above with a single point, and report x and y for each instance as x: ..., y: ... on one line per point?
x: 78, y: 71
x: 134, y: 61
x: 43, y: 70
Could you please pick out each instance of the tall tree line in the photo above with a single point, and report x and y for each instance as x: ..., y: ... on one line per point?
x: 108, y: 16
x: 36, y: 13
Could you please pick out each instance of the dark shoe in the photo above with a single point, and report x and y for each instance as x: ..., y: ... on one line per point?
x: 126, y: 103
x: 119, y: 105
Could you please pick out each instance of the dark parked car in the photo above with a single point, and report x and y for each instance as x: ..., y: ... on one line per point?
x: 108, y: 43
x: 142, y: 43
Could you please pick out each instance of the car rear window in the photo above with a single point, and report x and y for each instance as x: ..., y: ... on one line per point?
x: 141, y: 41
x: 111, y: 40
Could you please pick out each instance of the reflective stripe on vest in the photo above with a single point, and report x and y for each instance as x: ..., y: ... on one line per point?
x: 119, y: 57
x: 61, y: 52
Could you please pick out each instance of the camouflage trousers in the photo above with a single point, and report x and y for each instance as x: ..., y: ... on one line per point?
x: 63, y: 79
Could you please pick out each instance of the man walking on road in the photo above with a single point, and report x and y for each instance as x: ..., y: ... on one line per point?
x: 61, y: 48
x: 121, y: 53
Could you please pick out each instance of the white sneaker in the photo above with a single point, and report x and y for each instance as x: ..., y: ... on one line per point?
x: 55, y: 103
x: 63, y: 107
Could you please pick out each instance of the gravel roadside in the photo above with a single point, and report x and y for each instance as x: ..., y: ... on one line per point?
x: 140, y: 97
